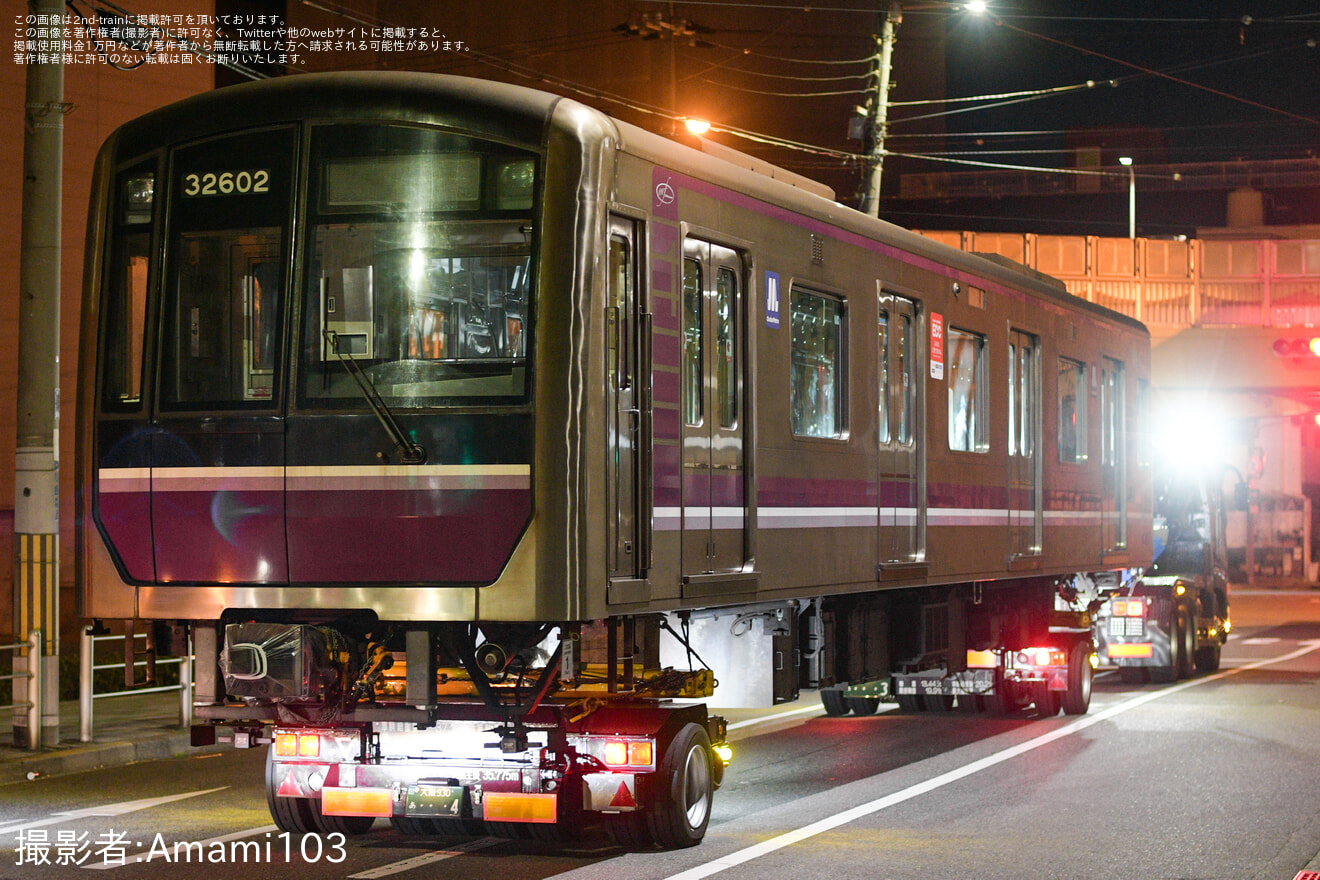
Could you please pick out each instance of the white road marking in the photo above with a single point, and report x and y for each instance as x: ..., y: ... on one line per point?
x: 139, y: 858
x: 118, y: 809
x: 829, y: 823
x: 769, y: 719
x: 438, y: 855
x: 1261, y: 640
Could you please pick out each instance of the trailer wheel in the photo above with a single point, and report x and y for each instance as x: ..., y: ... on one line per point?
x: 1047, y: 702
x: 1207, y: 659
x: 349, y: 826
x: 863, y: 705
x: 293, y: 814
x: 834, y: 702
x: 683, y: 810
x: 937, y: 702
x: 1132, y: 674
x: 1166, y: 674
x: 909, y: 703
x: 629, y: 831
x: 1077, y: 698
x: 1187, y: 660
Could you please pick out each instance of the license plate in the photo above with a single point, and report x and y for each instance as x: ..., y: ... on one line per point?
x: 434, y: 800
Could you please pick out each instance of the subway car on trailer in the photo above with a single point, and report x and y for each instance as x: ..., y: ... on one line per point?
x: 470, y: 436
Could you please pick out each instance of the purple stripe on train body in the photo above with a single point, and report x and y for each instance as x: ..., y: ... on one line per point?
x: 696, y: 488
x: 664, y: 194
x: 399, y: 536
x: 727, y: 489
x: 960, y: 496
x: 219, y: 536
x: 126, y: 519
x: 666, y: 387
x: 667, y: 485
x: 807, y: 492
x: 665, y: 423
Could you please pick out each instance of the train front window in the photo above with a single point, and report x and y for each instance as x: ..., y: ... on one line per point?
x: 418, y: 269
x: 126, y: 282
x: 224, y: 299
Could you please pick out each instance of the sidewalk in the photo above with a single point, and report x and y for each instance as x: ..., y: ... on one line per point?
x: 141, y: 727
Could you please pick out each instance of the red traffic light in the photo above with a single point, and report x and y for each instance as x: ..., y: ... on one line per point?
x: 1298, y: 348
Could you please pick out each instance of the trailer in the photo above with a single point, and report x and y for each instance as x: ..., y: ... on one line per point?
x: 476, y: 442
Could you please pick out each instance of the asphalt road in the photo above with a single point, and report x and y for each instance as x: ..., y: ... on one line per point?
x: 1217, y: 777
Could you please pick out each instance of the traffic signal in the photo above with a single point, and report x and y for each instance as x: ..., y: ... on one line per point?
x: 1303, y: 347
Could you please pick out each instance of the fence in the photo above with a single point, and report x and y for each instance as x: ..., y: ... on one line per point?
x: 32, y: 705
x: 87, y: 679
x: 1172, y: 284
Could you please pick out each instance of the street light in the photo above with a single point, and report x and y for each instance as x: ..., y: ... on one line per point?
x: 1126, y: 161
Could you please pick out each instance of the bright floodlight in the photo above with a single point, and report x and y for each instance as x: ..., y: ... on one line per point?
x: 1124, y: 160
x: 977, y: 7
x: 697, y: 126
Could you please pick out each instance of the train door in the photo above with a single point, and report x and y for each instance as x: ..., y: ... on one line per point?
x: 902, y: 504
x: 1024, y: 429
x: 217, y: 458
x: 625, y: 375
x: 714, y: 364
x: 1113, y: 454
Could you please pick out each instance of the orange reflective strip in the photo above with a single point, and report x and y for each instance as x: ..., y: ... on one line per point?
x: 357, y: 802
x: 1132, y: 650
x: 507, y: 806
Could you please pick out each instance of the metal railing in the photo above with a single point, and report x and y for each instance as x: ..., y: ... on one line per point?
x: 33, y: 675
x: 87, y: 679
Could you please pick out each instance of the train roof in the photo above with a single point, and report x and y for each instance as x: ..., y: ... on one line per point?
x: 526, y: 115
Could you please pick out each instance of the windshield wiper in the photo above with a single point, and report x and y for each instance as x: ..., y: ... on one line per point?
x: 413, y: 453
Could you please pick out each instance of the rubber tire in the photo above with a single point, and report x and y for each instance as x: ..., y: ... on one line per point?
x: 1166, y: 674
x: 971, y: 704
x: 682, y: 810
x: 1047, y: 702
x: 862, y: 706
x: 1207, y: 659
x: 412, y: 826
x: 1077, y: 698
x: 349, y: 826
x: 629, y: 831
x: 909, y: 703
x: 1133, y: 674
x: 939, y: 703
x: 835, y: 703
x: 1187, y: 662
x: 293, y: 814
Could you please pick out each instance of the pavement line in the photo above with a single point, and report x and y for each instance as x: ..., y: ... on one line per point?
x: 829, y: 823
x: 768, y: 719
x: 118, y: 809
x: 438, y: 855
x: 139, y: 858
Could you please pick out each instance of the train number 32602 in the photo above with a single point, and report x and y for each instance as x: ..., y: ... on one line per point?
x: 226, y: 183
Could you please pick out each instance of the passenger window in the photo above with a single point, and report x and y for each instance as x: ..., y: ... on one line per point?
x: 817, y: 387
x: 968, y: 419
x: 726, y: 369
x: 693, y: 349
x: 1072, y: 411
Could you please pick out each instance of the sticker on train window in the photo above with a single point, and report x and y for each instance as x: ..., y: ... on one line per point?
x: 226, y: 183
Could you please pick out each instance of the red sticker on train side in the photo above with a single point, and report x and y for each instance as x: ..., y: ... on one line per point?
x: 936, y: 345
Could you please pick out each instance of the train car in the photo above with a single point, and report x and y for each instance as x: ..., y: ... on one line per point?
x: 461, y: 430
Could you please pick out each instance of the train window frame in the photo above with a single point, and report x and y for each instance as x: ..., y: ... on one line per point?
x: 254, y: 225
x: 802, y: 423
x: 968, y: 391
x: 449, y: 343
x: 132, y: 263
x: 1074, y: 432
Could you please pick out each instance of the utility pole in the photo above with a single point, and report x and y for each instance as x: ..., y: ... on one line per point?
x: 36, y: 466
x: 879, y: 106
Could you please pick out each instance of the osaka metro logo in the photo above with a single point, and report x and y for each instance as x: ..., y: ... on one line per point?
x: 664, y: 193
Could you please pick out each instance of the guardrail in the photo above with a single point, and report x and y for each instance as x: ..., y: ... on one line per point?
x: 33, y: 675
x: 87, y: 674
